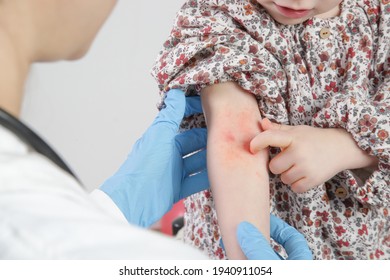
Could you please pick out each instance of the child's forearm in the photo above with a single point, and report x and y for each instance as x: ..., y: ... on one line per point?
x: 351, y: 156
x: 240, y: 189
x: 239, y: 179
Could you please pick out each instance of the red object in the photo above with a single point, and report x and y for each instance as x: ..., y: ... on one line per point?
x: 166, y: 221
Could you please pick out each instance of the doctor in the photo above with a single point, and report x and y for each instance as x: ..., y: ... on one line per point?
x: 44, y: 213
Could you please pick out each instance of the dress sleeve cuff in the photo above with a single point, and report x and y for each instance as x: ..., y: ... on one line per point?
x: 368, y: 123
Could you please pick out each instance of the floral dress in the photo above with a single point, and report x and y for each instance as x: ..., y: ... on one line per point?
x: 324, y: 73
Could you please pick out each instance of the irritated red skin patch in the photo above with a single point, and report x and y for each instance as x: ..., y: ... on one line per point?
x: 239, y: 131
x: 229, y: 137
x: 236, y: 148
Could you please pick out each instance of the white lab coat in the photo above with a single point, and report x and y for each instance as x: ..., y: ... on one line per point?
x: 45, y: 214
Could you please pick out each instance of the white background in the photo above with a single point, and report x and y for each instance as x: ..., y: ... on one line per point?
x: 93, y: 110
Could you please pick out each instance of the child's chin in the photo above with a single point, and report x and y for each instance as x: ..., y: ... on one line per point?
x: 290, y: 21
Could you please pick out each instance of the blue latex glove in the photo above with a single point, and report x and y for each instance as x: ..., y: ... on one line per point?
x: 155, y: 175
x: 256, y: 247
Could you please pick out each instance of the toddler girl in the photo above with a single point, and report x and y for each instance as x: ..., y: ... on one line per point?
x: 321, y: 67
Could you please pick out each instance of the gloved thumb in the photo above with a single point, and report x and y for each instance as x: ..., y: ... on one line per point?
x: 253, y: 243
x: 173, y: 112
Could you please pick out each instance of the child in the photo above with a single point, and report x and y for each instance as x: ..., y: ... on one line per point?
x: 321, y: 67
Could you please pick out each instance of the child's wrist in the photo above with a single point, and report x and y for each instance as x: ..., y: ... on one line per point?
x: 350, y: 155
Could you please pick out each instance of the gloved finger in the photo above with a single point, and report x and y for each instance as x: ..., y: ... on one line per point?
x: 193, y: 106
x: 195, y: 163
x: 253, y: 243
x: 292, y: 240
x: 221, y: 244
x: 192, y: 140
x: 194, y: 184
x: 173, y: 112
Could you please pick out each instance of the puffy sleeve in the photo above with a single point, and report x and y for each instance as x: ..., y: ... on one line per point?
x: 368, y: 121
x: 365, y: 111
x: 216, y: 41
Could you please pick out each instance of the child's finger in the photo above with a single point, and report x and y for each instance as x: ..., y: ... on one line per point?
x: 266, y: 124
x: 281, y: 163
x: 291, y: 176
x: 273, y: 138
x: 300, y: 186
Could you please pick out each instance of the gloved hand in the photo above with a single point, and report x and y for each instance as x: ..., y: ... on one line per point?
x: 256, y: 247
x: 155, y: 175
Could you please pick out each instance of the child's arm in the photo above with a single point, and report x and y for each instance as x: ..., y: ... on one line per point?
x: 304, y: 147
x: 239, y: 179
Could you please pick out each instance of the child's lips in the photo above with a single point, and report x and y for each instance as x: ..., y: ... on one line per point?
x: 291, y: 13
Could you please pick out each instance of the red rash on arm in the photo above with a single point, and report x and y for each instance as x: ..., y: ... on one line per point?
x: 228, y: 137
x: 238, y: 178
x: 244, y: 133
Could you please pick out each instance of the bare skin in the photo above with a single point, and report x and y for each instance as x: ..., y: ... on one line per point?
x: 314, y: 8
x: 239, y: 180
x: 231, y: 125
x: 303, y: 147
x: 43, y: 30
x: 51, y: 30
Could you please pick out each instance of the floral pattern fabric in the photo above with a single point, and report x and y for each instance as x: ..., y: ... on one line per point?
x: 298, y: 78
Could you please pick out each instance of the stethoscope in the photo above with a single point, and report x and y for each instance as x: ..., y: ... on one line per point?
x: 31, y: 139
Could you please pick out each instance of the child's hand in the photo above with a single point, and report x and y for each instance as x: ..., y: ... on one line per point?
x: 310, y: 156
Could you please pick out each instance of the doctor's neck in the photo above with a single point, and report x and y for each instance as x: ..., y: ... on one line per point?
x: 16, y: 55
x: 14, y: 68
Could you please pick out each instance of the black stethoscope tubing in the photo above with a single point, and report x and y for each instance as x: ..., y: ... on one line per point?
x: 31, y: 139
